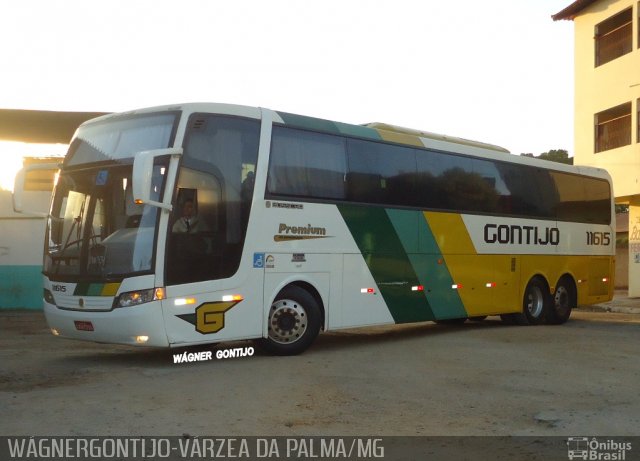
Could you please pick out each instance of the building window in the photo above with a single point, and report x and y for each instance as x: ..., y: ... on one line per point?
x: 613, y: 127
x: 614, y: 37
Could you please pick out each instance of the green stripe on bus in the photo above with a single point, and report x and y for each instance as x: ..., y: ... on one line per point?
x: 82, y: 289
x: 327, y: 126
x: 358, y: 131
x: 310, y: 123
x: 95, y: 289
x: 388, y: 262
x: 428, y: 263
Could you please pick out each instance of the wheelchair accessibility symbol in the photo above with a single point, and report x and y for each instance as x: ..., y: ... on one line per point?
x: 258, y: 260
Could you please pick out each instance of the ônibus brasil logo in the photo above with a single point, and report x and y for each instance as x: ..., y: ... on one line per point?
x: 593, y: 449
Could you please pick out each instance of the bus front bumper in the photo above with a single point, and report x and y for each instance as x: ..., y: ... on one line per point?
x: 141, y: 325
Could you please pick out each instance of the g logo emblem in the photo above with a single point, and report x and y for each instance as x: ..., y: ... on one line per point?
x: 210, y: 316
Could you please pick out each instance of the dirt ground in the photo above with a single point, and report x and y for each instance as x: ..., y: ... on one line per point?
x: 580, y: 378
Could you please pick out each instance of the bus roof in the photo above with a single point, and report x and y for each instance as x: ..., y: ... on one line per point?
x: 375, y: 130
x: 435, y: 136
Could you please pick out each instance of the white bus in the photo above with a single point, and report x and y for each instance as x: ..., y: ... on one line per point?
x: 298, y: 225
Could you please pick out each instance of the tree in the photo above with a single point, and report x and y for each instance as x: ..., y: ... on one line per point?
x: 554, y: 155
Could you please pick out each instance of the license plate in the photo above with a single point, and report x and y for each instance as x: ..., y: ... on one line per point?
x: 83, y: 325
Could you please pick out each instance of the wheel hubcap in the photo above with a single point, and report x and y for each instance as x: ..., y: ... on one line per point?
x: 287, y: 321
x: 561, y: 299
x: 535, y: 302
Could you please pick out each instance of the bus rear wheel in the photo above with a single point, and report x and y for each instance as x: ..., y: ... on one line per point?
x: 294, y: 322
x: 564, y: 300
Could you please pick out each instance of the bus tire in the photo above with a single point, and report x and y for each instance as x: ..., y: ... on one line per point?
x: 458, y: 321
x: 294, y: 322
x: 563, y: 301
x: 478, y: 318
x: 515, y: 319
x: 507, y: 319
x: 535, y: 303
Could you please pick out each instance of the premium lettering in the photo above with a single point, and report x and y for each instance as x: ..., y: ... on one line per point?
x: 301, y: 230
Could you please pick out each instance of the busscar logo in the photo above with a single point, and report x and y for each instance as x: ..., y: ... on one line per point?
x: 521, y: 235
x: 286, y: 206
x: 287, y: 233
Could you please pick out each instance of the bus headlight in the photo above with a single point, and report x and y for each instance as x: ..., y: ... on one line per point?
x: 48, y: 297
x: 134, y: 298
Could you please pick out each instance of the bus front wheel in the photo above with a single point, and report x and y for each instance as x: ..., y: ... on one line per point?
x: 294, y: 322
x: 535, y: 305
x: 536, y: 301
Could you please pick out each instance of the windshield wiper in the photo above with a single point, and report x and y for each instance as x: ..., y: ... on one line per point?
x: 77, y: 224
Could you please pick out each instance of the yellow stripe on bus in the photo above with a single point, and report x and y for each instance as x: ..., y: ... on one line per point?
x: 486, y: 284
x: 110, y: 289
x: 400, y: 138
x: 450, y: 233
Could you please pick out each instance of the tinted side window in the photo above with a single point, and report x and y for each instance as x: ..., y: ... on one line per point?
x: 532, y: 191
x: 306, y: 164
x: 599, y: 197
x: 436, y: 176
x: 453, y: 182
x: 582, y: 199
x: 380, y: 173
x: 494, y: 195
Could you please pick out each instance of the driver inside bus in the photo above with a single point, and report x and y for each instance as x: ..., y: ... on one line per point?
x: 188, y: 223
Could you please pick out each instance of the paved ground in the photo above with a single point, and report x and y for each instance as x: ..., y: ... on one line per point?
x: 620, y: 303
x: 424, y: 379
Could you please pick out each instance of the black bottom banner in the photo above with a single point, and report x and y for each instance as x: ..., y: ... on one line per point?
x: 329, y: 448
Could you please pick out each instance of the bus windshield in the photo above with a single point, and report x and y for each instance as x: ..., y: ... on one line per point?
x: 95, y: 231
x: 120, y: 137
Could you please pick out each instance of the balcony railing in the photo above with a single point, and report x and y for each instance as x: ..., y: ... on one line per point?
x: 614, y: 44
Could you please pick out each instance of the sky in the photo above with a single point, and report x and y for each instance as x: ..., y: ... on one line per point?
x: 498, y: 71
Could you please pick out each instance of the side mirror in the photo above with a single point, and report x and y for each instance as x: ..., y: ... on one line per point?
x: 18, y: 186
x: 143, y: 174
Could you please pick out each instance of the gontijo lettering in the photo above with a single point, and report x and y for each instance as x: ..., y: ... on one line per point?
x: 521, y: 235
